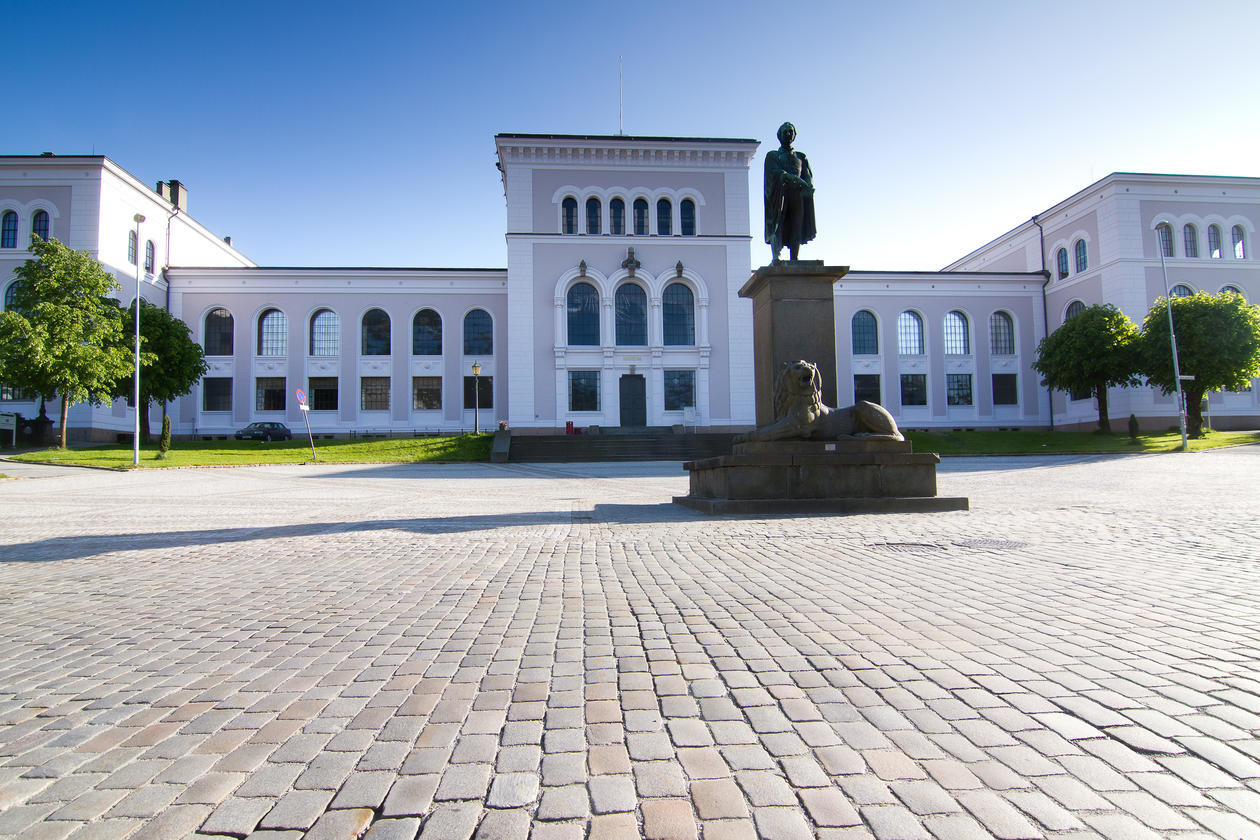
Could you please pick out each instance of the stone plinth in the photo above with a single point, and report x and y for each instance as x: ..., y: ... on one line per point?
x: 794, y: 317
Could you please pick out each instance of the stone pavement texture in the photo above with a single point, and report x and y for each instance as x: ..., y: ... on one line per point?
x: 556, y: 652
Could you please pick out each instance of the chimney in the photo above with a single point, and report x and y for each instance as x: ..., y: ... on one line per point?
x: 228, y: 240
x: 179, y: 195
x: 164, y: 190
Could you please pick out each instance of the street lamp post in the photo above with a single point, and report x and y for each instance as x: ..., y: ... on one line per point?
x: 476, y: 369
x: 135, y: 441
x: 1172, y: 334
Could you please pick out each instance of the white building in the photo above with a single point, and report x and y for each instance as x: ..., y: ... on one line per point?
x: 619, y: 305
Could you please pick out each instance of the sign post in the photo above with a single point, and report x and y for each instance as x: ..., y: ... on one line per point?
x: 9, y: 421
x: 301, y: 398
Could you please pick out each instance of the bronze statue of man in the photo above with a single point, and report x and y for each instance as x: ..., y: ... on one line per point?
x: 789, y: 197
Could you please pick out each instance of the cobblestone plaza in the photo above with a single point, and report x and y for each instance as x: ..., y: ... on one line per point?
x: 557, y: 652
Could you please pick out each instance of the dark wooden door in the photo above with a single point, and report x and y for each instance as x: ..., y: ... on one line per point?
x: 633, y: 400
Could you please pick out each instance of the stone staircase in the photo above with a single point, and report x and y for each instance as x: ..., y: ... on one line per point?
x: 645, y: 445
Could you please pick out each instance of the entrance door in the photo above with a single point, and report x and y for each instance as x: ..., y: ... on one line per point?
x: 633, y: 400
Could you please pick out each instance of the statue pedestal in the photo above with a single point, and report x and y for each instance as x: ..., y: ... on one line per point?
x: 794, y: 317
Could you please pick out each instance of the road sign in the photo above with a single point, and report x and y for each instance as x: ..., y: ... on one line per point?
x: 8, y: 421
x: 301, y: 395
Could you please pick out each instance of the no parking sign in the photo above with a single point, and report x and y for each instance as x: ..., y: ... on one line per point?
x: 301, y: 397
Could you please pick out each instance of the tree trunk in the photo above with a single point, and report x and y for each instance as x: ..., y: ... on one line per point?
x: 145, y: 435
x: 1104, y: 415
x: 1194, y: 412
x: 65, y: 415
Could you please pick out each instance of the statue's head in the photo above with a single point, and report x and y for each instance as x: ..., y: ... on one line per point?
x: 787, y: 133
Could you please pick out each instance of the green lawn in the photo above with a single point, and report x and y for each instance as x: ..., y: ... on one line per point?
x: 1049, y: 443
x: 201, y: 453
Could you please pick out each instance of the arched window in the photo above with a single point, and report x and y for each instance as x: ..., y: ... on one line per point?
x: 273, y: 330
x: 1181, y: 290
x: 218, y: 332
x: 617, y: 217
x: 478, y: 333
x: 10, y: 296
x: 957, y: 341
x: 325, y: 333
x: 1231, y: 289
x: 630, y: 306
x: 133, y: 247
x: 1214, y: 242
x: 426, y: 333
x: 148, y: 257
x: 1074, y: 308
x: 8, y: 230
x: 568, y: 210
x: 1190, y: 235
x: 1082, y: 256
x: 1061, y: 259
x: 687, y: 217
x: 1163, y: 232
x: 375, y: 333
x: 678, y: 313
x: 909, y: 334
x: 664, y: 217
x: 1240, y: 243
x: 583, y: 302
x: 39, y: 225
x: 640, y: 217
x: 865, y: 334
x: 593, y: 223
x: 1001, y: 334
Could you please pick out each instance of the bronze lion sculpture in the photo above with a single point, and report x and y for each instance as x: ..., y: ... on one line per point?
x: 802, y: 416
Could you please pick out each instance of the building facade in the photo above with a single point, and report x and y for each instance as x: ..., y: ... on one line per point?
x: 619, y: 302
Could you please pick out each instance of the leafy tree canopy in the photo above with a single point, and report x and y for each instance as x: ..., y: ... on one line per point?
x: 1091, y: 352
x: 170, y: 364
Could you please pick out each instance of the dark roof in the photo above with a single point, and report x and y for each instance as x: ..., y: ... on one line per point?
x: 624, y: 137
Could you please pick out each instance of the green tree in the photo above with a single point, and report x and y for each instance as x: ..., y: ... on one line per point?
x: 62, y: 336
x: 170, y: 364
x: 1091, y: 352
x: 1218, y: 343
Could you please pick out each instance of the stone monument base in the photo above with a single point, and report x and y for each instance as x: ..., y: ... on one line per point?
x: 860, y: 475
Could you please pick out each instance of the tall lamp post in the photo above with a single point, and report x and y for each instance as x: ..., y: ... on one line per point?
x: 1172, y: 335
x: 476, y: 369
x: 135, y: 441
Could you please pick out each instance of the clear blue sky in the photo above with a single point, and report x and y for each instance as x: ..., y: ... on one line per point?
x: 320, y: 133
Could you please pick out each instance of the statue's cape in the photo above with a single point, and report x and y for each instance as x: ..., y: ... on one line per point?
x: 774, y: 191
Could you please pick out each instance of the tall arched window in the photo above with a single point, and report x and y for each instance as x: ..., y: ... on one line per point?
x: 865, y: 334
x: 640, y: 217
x: 1074, y: 308
x: 133, y: 247
x: 909, y: 334
x: 325, y: 333
x: 687, y: 217
x: 664, y: 217
x: 10, y: 296
x: 1163, y: 232
x: 478, y: 333
x: 1062, y: 260
x: 375, y: 333
x: 593, y: 222
x: 568, y: 212
x: 957, y: 340
x: 1214, y: 242
x: 583, y: 305
x: 678, y: 314
x: 1181, y: 290
x: 1240, y: 243
x: 1231, y: 289
x: 1082, y: 256
x: 39, y: 225
x: 1001, y: 334
x: 617, y: 217
x: 273, y: 333
x: 426, y: 333
x: 1190, y: 234
x: 148, y: 257
x: 8, y: 229
x: 218, y: 332
x: 630, y: 306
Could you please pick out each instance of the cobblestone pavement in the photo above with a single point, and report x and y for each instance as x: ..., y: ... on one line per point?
x: 556, y: 652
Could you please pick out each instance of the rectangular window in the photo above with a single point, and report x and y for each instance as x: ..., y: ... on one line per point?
x: 426, y: 393
x: 914, y: 389
x: 8, y: 393
x: 1005, y: 391
x: 374, y: 393
x: 958, y: 389
x: 269, y: 393
x: 680, y: 389
x: 583, y: 390
x: 216, y: 393
x: 485, y: 392
x: 323, y: 394
x: 866, y: 387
